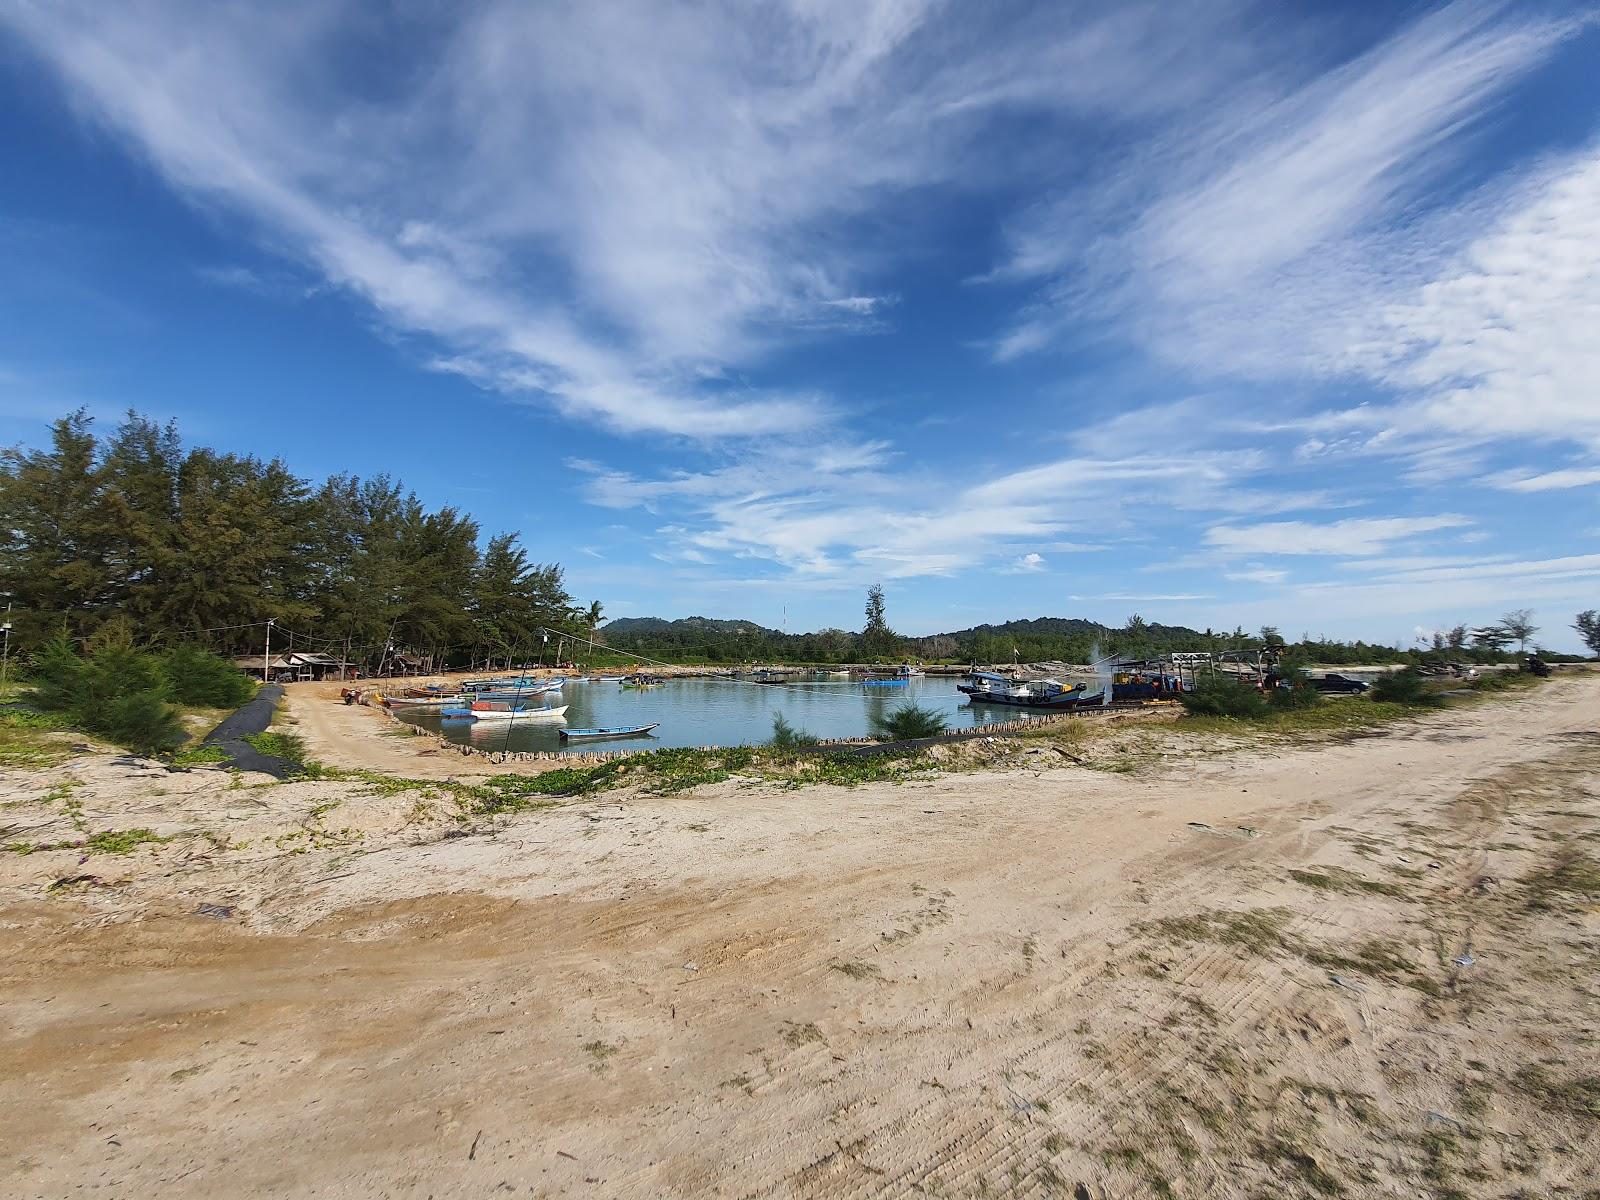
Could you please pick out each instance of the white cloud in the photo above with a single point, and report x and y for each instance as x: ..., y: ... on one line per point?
x: 1028, y: 563
x: 1257, y: 573
x: 1240, y: 238
x: 609, y: 209
x: 1570, y: 477
x: 1358, y: 536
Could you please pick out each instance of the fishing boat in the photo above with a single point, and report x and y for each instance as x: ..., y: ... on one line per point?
x: 595, y: 735
x: 608, y: 678
x: 886, y: 681
x: 640, y: 681
x: 509, y: 713
x: 500, y: 710
x: 415, y: 701
x: 984, y: 687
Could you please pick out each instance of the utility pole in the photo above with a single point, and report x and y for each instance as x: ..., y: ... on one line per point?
x: 5, y: 654
x: 266, y: 657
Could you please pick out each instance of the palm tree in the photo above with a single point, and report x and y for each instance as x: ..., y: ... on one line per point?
x: 593, y: 617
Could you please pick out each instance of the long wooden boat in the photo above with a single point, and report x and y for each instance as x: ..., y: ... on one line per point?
x: 495, y: 710
x: 593, y: 735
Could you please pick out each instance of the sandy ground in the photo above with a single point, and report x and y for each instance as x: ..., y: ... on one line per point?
x: 1224, y: 977
x: 364, y: 737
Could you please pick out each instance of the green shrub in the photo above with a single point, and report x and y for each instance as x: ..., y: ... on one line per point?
x: 1404, y: 687
x: 204, y: 680
x: 116, y: 691
x: 1218, y: 695
x: 141, y: 721
x: 786, y: 737
x: 907, y: 723
x: 1297, y: 691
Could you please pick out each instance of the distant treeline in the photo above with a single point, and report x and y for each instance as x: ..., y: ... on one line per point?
x: 1045, y: 639
x: 196, y: 546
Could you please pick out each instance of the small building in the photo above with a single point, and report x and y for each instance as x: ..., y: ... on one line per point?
x: 291, y: 667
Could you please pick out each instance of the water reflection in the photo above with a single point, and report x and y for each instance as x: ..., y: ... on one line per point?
x: 717, y: 712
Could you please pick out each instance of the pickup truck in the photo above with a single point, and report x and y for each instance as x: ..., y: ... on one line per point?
x: 1339, y: 683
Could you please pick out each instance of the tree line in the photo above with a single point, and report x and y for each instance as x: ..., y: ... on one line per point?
x: 190, y: 544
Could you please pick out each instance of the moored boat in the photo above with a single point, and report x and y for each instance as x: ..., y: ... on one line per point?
x: 984, y: 687
x: 513, y: 713
x: 594, y: 735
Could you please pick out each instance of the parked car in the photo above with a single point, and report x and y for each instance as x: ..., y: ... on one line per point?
x: 1339, y: 683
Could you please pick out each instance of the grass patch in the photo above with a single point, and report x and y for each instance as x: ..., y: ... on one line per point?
x: 1338, y: 879
x: 1294, y: 1161
x: 796, y: 1035
x: 286, y: 746
x: 109, y: 841
x: 1254, y: 930
x: 1381, y: 960
x: 858, y: 970
x: 1573, y: 878
x: 1578, y: 1096
x: 26, y: 741
x: 198, y: 755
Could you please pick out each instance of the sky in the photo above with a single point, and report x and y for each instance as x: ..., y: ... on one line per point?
x: 1228, y: 314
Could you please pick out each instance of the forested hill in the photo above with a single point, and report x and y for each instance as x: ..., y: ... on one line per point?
x: 1040, y: 639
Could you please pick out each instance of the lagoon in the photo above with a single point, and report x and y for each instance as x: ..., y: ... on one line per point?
x: 717, y: 712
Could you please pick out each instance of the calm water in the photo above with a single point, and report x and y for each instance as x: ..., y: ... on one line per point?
x: 717, y: 712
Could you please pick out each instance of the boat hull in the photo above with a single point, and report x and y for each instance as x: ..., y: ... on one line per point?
x: 595, y: 735
x: 1062, y: 701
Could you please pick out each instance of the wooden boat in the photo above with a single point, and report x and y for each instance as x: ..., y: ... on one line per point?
x: 490, y: 711
x: 410, y: 700
x: 594, y: 735
x: 499, y: 710
x: 986, y: 688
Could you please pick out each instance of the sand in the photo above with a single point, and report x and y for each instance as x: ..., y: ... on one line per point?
x: 1033, y: 980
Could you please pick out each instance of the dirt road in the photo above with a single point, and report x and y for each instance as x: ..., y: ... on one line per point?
x: 1228, y: 979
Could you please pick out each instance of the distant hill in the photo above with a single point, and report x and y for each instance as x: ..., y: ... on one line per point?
x: 624, y: 627
x: 1061, y: 627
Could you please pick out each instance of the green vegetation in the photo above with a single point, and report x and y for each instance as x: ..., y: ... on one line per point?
x: 200, y: 679
x: 1406, y: 687
x: 1578, y: 1096
x: 907, y: 723
x: 114, y: 690
x: 135, y: 527
x: 109, y: 841
x: 786, y: 737
x: 1572, y: 879
x: 277, y: 744
x: 1255, y: 930
x: 1587, y: 623
x: 1338, y: 879
x: 1218, y: 695
x: 199, y: 755
x: 25, y: 739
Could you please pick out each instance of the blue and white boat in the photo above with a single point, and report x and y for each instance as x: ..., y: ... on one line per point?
x: 595, y: 735
x: 500, y: 710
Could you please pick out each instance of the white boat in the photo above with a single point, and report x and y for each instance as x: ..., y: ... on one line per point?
x: 491, y: 712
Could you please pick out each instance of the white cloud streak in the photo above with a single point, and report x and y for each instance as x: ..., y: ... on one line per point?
x: 1358, y: 536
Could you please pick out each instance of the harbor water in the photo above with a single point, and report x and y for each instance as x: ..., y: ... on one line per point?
x: 717, y: 712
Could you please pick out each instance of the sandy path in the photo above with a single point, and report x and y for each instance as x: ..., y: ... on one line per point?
x: 994, y: 984
x: 360, y: 737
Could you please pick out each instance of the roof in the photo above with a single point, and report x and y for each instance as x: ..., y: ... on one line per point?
x: 285, y: 662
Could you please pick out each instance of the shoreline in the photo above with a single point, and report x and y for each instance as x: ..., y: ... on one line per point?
x: 965, y: 979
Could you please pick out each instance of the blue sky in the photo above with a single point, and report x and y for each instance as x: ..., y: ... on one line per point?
x: 1267, y: 313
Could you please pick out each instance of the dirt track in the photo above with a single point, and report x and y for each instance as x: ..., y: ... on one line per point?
x: 1015, y: 983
